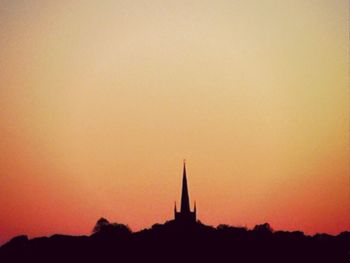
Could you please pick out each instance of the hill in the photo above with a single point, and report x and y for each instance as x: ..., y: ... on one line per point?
x: 175, y: 242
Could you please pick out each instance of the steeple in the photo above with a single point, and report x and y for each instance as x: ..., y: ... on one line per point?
x: 185, y: 200
x: 185, y: 215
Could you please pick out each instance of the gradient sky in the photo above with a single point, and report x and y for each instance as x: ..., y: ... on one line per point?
x: 100, y: 101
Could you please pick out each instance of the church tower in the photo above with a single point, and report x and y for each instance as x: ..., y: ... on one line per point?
x: 185, y: 215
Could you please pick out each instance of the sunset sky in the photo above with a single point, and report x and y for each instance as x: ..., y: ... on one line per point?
x: 100, y: 101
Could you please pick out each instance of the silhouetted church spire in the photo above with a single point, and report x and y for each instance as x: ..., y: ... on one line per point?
x: 185, y: 214
x: 185, y: 200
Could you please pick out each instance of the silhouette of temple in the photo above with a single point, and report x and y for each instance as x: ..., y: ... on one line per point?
x: 185, y: 215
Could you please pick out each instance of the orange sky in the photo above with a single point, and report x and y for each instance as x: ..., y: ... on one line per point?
x: 101, y: 100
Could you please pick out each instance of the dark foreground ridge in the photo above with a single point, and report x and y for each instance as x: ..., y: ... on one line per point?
x: 179, y: 242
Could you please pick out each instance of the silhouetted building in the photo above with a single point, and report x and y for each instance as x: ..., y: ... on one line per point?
x: 185, y: 215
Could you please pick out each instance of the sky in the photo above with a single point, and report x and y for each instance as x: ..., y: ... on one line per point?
x: 100, y: 102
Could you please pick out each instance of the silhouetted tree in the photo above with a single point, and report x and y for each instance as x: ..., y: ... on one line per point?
x: 100, y: 225
x: 223, y: 227
x: 230, y: 230
x: 263, y: 228
x: 105, y: 228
